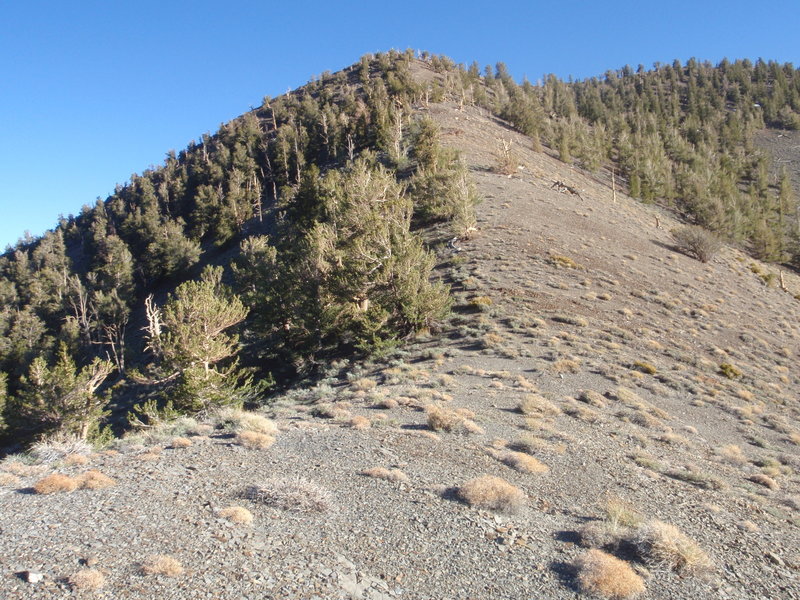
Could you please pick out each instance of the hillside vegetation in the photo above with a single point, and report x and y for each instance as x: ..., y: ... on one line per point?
x: 550, y: 393
x: 315, y: 203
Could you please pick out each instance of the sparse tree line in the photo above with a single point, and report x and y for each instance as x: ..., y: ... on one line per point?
x: 317, y: 194
x: 680, y: 134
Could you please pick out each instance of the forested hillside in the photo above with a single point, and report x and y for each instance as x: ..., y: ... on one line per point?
x: 315, y: 203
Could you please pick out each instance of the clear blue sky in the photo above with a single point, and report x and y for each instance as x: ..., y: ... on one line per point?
x: 93, y: 91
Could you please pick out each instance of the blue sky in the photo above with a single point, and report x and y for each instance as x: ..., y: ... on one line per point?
x: 93, y: 91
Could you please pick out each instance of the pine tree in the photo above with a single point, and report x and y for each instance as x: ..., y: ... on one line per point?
x: 194, y: 344
x: 61, y: 399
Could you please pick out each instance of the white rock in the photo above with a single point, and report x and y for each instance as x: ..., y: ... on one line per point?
x: 32, y: 577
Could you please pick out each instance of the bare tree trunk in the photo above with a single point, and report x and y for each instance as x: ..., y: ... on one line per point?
x: 153, y: 327
x: 613, y: 185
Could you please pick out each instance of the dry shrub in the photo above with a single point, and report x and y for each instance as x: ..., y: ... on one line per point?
x: 180, y: 442
x: 619, y: 513
x: 642, y: 419
x: 359, y: 422
x: 566, y: 365
x: 291, y: 493
x: 471, y: 426
x: 237, y: 514
x: 536, y: 405
x: 733, y: 454
x: 161, y: 564
x: 523, y: 462
x: 254, y: 440
x: 55, y: 483
x: 627, y: 396
x: 696, y: 242
x: 87, y: 579
x: 387, y: 403
x: 326, y: 410
x: 95, y: 480
x: 364, y: 384
x: 443, y: 419
x: 592, y: 398
x: 532, y: 444
x: 387, y: 474
x: 579, y: 411
x: 765, y: 480
x: 664, y: 545
x: 242, y: 420
x: 607, y: 576
x: 492, y: 493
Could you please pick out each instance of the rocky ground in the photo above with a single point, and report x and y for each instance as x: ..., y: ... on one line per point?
x: 580, y: 337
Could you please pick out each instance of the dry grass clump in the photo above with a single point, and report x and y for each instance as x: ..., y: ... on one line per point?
x: 95, y: 480
x: 56, y: 483
x: 161, y: 564
x: 664, y: 545
x: 254, y: 440
x: 642, y: 419
x: 523, y: 462
x: 326, y: 410
x: 365, y: 384
x: 564, y: 262
x: 607, y: 576
x: 387, y: 474
x: 291, y: 493
x: 8, y: 479
x: 619, y: 513
x: 536, y: 405
x: 359, y: 422
x: 619, y: 519
x: 237, y: 514
x: 242, y: 420
x: 445, y: 419
x: 532, y: 444
x: 566, y: 365
x: 180, y: 442
x: 645, y: 367
x: 442, y: 419
x: 87, y: 579
x: 387, y: 403
x: 732, y: 454
x: 571, y: 320
x: 765, y: 480
x: 691, y: 474
x: 592, y: 398
x: 491, y: 493
x: 579, y: 411
x: 472, y: 427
